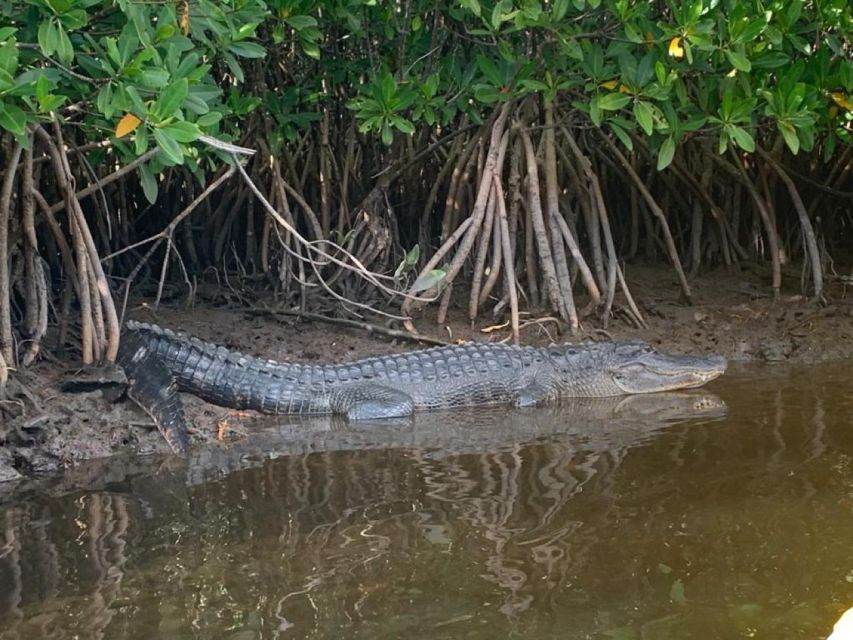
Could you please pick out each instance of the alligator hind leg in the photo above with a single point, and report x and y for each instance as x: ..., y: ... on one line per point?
x: 371, y: 402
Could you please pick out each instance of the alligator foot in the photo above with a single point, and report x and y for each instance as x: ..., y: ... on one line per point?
x: 532, y: 395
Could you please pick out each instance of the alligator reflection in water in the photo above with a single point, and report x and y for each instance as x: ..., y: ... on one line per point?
x: 589, y: 521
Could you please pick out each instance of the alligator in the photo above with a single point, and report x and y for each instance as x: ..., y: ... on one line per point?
x: 158, y: 362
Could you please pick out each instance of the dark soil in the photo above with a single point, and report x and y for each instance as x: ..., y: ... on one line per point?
x: 44, y: 429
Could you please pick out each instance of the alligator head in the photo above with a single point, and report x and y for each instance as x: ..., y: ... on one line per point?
x: 624, y: 368
x: 639, y: 368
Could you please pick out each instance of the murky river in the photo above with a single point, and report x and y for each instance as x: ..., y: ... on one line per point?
x: 726, y: 514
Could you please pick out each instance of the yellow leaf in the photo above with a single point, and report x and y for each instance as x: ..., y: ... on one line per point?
x: 494, y: 327
x: 610, y: 85
x: 675, y: 49
x: 127, y: 124
x: 842, y: 100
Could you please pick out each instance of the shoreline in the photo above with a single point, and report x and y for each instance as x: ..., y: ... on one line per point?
x: 50, y: 430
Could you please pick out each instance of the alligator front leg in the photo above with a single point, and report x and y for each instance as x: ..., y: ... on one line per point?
x: 533, y: 394
x: 371, y: 402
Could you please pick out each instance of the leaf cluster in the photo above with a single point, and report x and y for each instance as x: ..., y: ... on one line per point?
x: 730, y: 70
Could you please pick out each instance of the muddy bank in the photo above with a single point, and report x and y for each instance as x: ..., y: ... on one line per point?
x: 45, y: 429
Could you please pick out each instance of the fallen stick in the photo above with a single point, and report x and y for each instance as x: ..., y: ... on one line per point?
x: 364, y: 326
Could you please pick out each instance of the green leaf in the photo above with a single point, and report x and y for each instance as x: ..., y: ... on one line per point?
x: 52, y: 103
x: 209, y: 119
x: 409, y: 261
x: 170, y: 148
x: 724, y: 141
x: 135, y: 99
x: 6, y: 80
x: 154, y: 78
x: 595, y: 111
x: 790, y: 136
x: 247, y: 50
x: 388, y: 87
x: 473, y: 6
x: 188, y: 65
x: 171, y: 99
x: 752, y: 30
x: 559, y: 10
x: 771, y: 60
x: 644, y: 117
x: 742, y: 138
x: 387, y: 135
x: 183, y: 131
x: 490, y: 70
x: 7, y: 32
x: 164, y: 32
x: 623, y: 136
x: 311, y: 49
x: 806, y: 136
x: 64, y: 48
x: 9, y: 57
x: 74, y: 19
x: 48, y: 37
x: 13, y: 119
x: 246, y: 30
x: 140, y: 141
x: 496, y: 15
x: 403, y: 125
x: 148, y: 182
x: 112, y: 51
x: 660, y: 73
x: 632, y: 34
x: 59, y: 6
x: 301, y: 22
x: 42, y: 88
x: 486, y: 93
x: 739, y: 61
x: 572, y: 49
x: 534, y: 85
x: 666, y: 153
x: 428, y: 280
x: 613, y: 101
x: 196, y: 104
x: 127, y: 46
x: 234, y: 66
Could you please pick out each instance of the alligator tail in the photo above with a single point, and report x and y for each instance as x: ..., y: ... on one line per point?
x: 223, y: 377
x: 152, y: 386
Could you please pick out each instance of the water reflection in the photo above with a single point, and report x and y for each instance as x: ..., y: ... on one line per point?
x: 651, y: 517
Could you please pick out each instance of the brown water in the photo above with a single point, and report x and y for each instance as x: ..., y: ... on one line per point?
x: 653, y: 519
